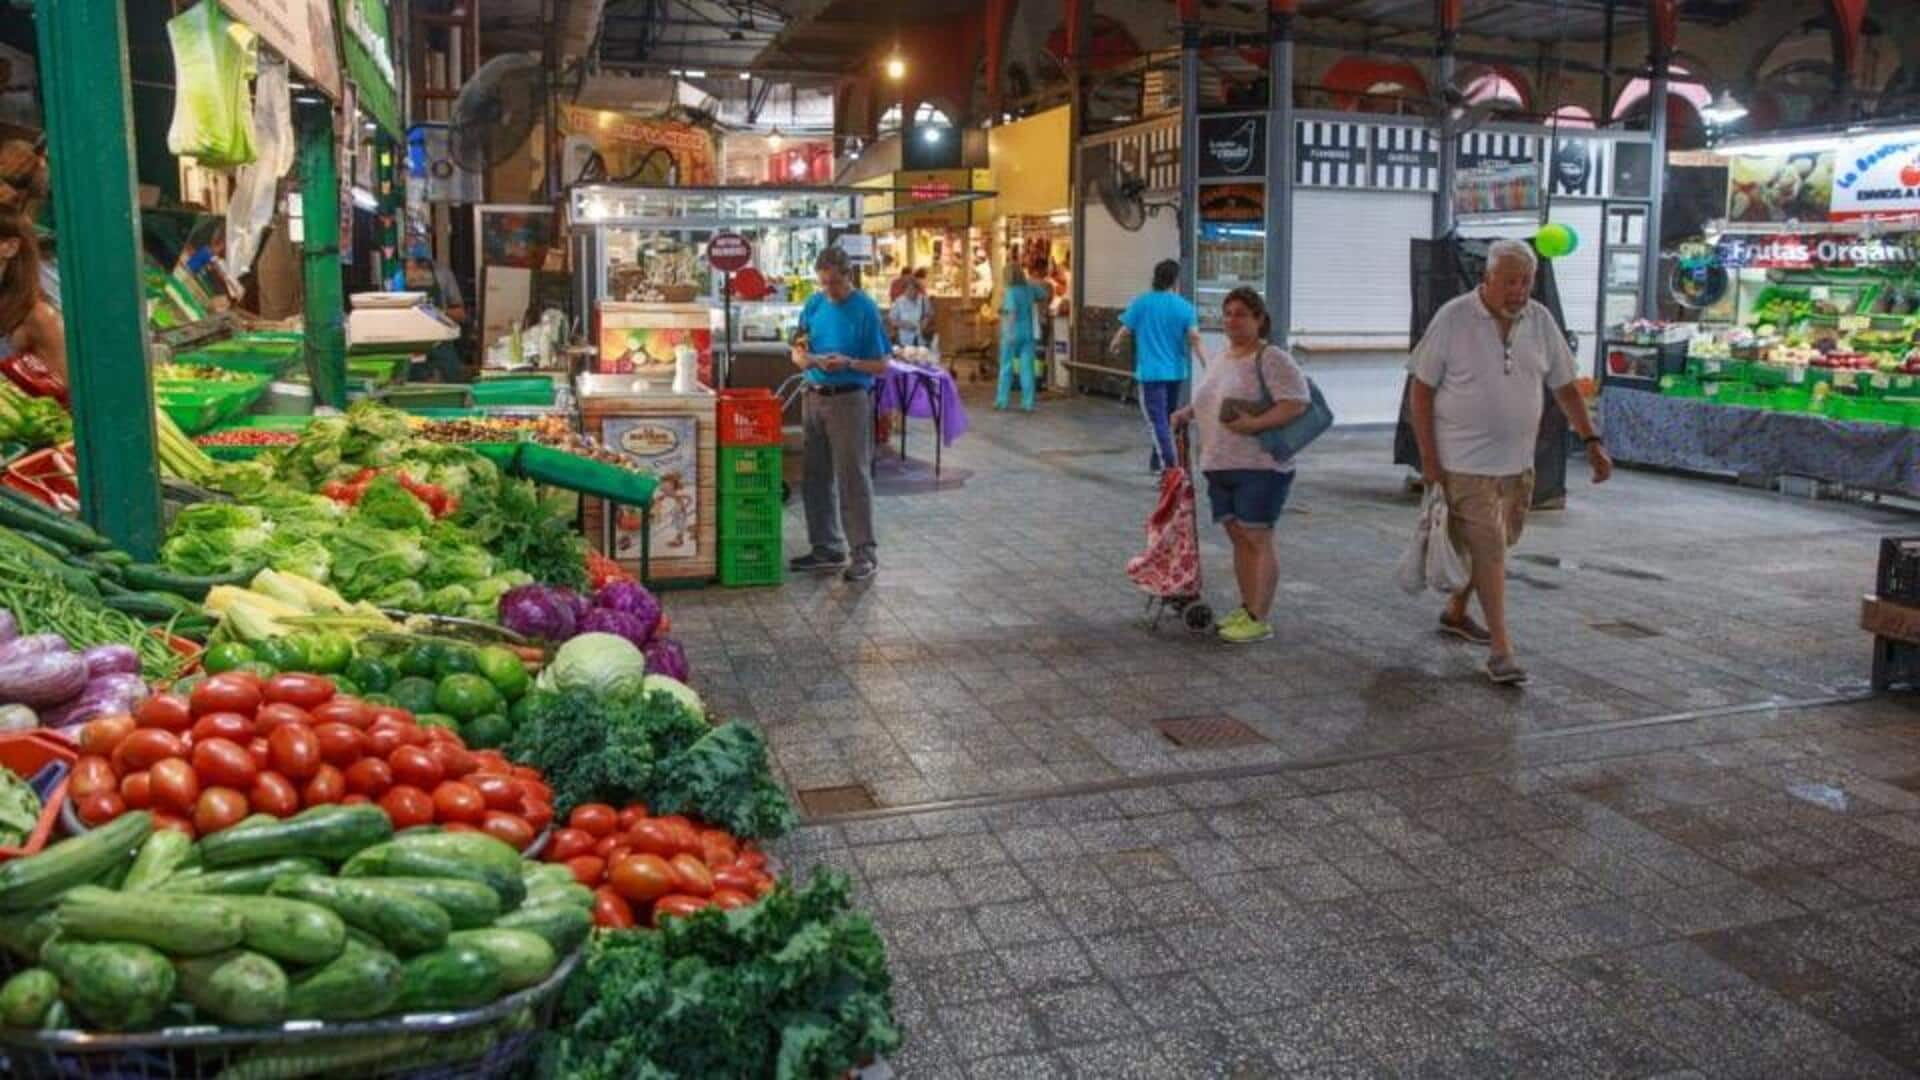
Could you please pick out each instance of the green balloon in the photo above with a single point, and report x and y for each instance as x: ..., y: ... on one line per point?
x: 1555, y: 240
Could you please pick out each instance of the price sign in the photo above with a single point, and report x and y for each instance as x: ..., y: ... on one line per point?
x: 1853, y: 324
x: 729, y: 252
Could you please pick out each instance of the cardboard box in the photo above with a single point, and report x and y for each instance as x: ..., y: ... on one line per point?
x: 1888, y: 619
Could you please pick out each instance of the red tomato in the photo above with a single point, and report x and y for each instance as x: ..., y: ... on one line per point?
x: 224, y: 694
x: 340, y: 744
x: 103, y: 733
x: 295, y: 751
x: 641, y: 878
x: 169, y: 712
x: 538, y: 814
x: 499, y: 792
x: 762, y: 884
x: 247, y: 678
x: 460, y: 826
x: 175, y: 787
x: 509, y: 829
x: 717, y: 848
x: 355, y: 799
x: 439, y: 735
x: 407, y: 806
x: 92, y: 775
x: 526, y: 772
x: 751, y: 858
x: 370, y: 777
x: 691, y: 875
x: 261, y: 754
x: 737, y: 878
x: 728, y: 899
x: 327, y: 786
x: 455, y: 801
x: 567, y: 844
x: 223, y: 725
x: 633, y: 815
x: 100, y: 807
x: 218, y: 808
x: 352, y: 712
x: 587, y: 869
x: 164, y: 820
x: 144, y: 747
x: 225, y: 763
x: 306, y: 691
x: 535, y: 789
x: 653, y: 838
x: 274, y: 794
x: 415, y: 766
x: 453, y: 758
x: 686, y: 838
x: 277, y: 713
x: 492, y: 762
x: 388, y: 714
x: 383, y: 741
x: 612, y: 847
x: 137, y: 790
x: 678, y: 821
x: 677, y: 905
x: 610, y: 911
x: 598, y: 819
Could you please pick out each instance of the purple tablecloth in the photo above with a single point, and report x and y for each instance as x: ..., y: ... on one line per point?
x: 916, y: 389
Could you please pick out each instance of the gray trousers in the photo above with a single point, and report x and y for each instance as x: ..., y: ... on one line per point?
x: 837, y: 485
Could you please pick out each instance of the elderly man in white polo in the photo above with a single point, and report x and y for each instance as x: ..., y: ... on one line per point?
x: 1476, y: 411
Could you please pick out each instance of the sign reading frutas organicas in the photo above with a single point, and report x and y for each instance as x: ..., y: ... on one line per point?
x: 729, y: 253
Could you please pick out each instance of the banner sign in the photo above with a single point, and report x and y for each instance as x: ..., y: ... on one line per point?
x: 1780, y: 187
x: 1498, y: 189
x: 367, y: 45
x: 1232, y: 147
x: 300, y: 30
x: 1877, y: 176
x: 655, y: 148
x: 1806, y: 252
x: 1233, y: 204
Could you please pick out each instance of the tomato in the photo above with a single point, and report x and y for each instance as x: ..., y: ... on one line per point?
x: 567, y: 843
x: 677, y: 821
x: 455, y: 801
x: 383, y: 741
x: 245, y: 676
x: 144, y: 747
x: 103, y: 733
x: 453, y: 758
x: 295, y: 751
x: 327, y: 786
x: 224, y: 693
x: 345, y: 710
x: 631, y: 816
x: 100, y: 807
x: 612, y: 847
x: 414, y: 766
x: 388, y: 714
x: 653, y: 838
x: 598, y: 819
x: 499, y: 792
x: 509, y: 829
x: 218, y: 808
x: 460, y: 826
x: 92, y: 774
x: 225, y: 763
x: 275, y: 714
x: 137, y: 790
x: 762, y: 884
x: 717, y: 847
x: 537, y: 789
x: 538, y: 814
x: 164, y: 820
x: 752, y: 858
x: 260, y: 752
x: 587, y: 869
x: 728, y: 899
x: 610, y: 911
x: 493, y: 763
x: 677, y: 905
x: 641, y: 878
x: 169, y: 712
x: 355, y: 799
x: 223, y: 725
x: 526, y: 772
x: 306, y: 691
x: 686, y: 838
x: 407, y: 806
x: 370, y: 777
x: 408, y: 734
x: 691, y: 875
x: 736, y: 878
x: 175, y: 785
x: 340, y: 744
x: 274, y: 794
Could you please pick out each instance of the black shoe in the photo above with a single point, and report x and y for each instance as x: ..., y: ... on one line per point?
x: 862, y: 569
x: 814, y: 562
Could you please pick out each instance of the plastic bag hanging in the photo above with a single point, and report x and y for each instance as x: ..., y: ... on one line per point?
x: 250, y: 210
x: 212, y: 60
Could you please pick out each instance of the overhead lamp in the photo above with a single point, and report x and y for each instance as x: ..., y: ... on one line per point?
x: 774, y: 140
x: 1780, y: 145
x: 1723, y: 110
x: 896, y: 67
x: 746, y: 76
x: 696, y: 74
x: 931, y: 134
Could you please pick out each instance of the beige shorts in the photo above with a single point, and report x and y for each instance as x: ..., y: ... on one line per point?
x: 1485, y: 514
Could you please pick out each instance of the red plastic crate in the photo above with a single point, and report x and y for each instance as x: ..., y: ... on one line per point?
x: 25, y: 753
x: 49, y: 476
x: 749, y: 418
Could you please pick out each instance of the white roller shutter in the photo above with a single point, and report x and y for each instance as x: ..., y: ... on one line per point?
x: 1350, y: 266
x: 1118, y: 264
x: 1578, y: 277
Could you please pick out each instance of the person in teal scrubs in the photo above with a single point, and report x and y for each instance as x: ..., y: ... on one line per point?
x: 1016, y: 337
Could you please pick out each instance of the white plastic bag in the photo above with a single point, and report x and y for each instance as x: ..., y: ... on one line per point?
x: 1431, y: 560
x: 250, y: 211
x: 212, y: 61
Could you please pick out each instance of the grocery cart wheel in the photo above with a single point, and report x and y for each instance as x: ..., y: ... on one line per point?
x: 1199, y: 618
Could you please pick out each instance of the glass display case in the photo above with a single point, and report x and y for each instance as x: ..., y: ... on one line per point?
x: 1231, y: 254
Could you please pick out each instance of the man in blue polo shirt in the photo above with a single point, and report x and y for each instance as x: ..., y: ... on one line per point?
x: 1165, y: 332
x: 841, y: 347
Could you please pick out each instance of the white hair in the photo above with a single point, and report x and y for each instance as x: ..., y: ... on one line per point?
x: 1501, y: 250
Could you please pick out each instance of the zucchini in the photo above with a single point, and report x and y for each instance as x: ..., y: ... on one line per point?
x: 403, y: 922
x: 564, y: 926
x: 525, y: 958
x: 23, y: 932
x: 468, y: 856
x: 26, y: 997
x: 23, y: 514
x: 41, y: 879
x: 468, y: 904
x: 181, y: 925
x: 292, y: 930
x: 163, y: 853
x: 118, y: 986
x: 323, y: 832
x: 153, y: 576
x: 249, y: 880
x: 236, y: 987
x: 361, y: 982
x: 449, y: 978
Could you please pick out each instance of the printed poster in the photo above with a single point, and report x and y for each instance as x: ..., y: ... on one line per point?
x: 1780, y: 187
x: 1877, y: 176
x: 669, y: 448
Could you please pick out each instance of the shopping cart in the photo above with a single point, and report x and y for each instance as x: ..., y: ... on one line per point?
x: 1169, y: 570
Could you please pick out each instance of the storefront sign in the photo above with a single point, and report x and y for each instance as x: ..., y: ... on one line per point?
x: 1792, y: 187
x: 1329, y: 154
x: 1233, y: 203
x: 1803, y: 252
x: 729, y: 253
x: 919, y: 188
x: 657, y: 149
x: 1232, y: 146
x: 1512, y: 187
x: 300, y: 30
x: 1404, y: 158
x: 1877, y: 177
x: 367, y: 47
x: 1479, y: 148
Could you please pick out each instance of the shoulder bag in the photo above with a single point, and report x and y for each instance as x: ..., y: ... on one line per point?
x: 1287, y: 440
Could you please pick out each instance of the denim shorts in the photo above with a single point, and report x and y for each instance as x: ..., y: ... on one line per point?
x: 1249, y: 496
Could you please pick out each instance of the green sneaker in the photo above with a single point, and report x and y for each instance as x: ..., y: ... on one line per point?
x: 1245, y: 632
x: 1234, y: 618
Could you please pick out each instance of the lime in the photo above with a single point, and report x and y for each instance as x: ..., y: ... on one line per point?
x: 344, y: 686
x: 458, y: 660
x: 260, y: 668
x: 522, y: 709
x: 326, y: 652
x: 467, y: 696
x: 374, y: 676
x: 486, y: 732
x: 284, y: 654
x: 384, y: 701
x: 422, y: 661
x: 502, y: 668
x: 434, y: 719
x: 184, y: 687
x: 413, y: 694
x: 226, y: 657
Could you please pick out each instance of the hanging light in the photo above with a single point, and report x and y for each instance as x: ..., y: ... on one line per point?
x: 774, y: 140
x: 896, y: 67
x: 1723, y: 110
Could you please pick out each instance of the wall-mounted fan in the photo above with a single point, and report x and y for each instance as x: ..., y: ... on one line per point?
x: 1123, y: 193
x: 497, y: 110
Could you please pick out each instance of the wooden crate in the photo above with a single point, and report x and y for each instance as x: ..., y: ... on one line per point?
x: 704, y: 565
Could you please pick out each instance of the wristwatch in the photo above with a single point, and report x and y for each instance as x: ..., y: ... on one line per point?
x: 1591, y: 440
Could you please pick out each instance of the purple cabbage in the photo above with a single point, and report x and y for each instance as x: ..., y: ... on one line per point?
x: 666, y: 657
x: 580, y: 602
x: 634, y: 599
x: 618, y: 623
x: 42, y: 679
x: 111, y: 660
x: 104, y: 695
x: 539, y: 612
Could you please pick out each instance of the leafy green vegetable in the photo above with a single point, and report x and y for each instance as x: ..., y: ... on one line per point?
x: 368, y: 559
x: 293, y: 552
x: 453, y: 559
x: 216, y: 538
x: 391, y: 506
x: 722, y: 778
x: 605, y: 665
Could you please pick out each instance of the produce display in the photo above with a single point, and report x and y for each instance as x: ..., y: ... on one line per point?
x: 20, y: 808
x: 90, y: 595
x: 621, y: 607
x: 644, y: 869
x: 32, y: 421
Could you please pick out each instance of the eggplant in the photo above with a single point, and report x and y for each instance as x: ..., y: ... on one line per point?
x: 9, y: 626
x: 33, y: 645
x: 43, y: 679
x: 111, y: 660
x: 113, y: 693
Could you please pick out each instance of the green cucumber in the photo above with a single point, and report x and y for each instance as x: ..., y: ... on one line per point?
x: 469, y: 856
x: 250, y: 880
x: 296, y: 931
x: 402, y: 921
x: 564, y: 926
x: 536, y: 874
x: 164, y: 852
x: 525, y: 958
x: 361, y: 1056
x: 150, y: 606
x: 181, y: 925
x: 469, y: 904
x: 52, y: 547
x: 159, y: 578
x: 360, y: 983
x: 26, y: 997
x: 323, y: 832
x: 449, y: 978
x: 22, y: 933
x: 235, y: 987
x: 118, y: 986
x: 41, y: 879
x: 571, y: 893
x: 24, y: 514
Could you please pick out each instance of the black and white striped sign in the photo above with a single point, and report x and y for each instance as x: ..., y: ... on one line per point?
x: 1150, y: 151
x: 1580, y: 168
x: 1497, y: 148
x: 1404, y: 159
x: 1330, y: 154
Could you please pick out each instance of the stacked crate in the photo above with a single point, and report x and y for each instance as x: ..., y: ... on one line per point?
x: 750, y: 504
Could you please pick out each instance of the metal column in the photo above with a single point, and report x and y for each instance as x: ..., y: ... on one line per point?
x: 1189, y: 156
x: 326, y: 318
x: 1449, y: 155
x: 83, y: 73
x: 1656, y: 192
x: 1280, y: 154
x: 1077, y: 205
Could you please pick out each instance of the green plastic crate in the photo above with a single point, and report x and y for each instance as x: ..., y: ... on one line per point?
x: 749, y: 470
x: 528, y: 391
x: 409, y: 398
x: 249, y: 361
x: 753, y: 562
x: 378, y: 369
x: 192, y: 412
x: 584, y: 475
x: 750, y: 518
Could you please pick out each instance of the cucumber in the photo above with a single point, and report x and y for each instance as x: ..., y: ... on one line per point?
x: 571, y: 893
x: 251, y: 880
x: 564, y: 926
x: 361, y: 1056
x: 118, y: 986
x: 295, y: 931
x: 23, y: 932
x: 536, y: 874
x: 58, y: 1017
x: 468, y: 904
x: 164, y: 852
x: 181, y: 925
x: 449, y: 978
x: 104, y: 572
x: 323, y: 832
x: 52, y: 547
x: 403, y: 922
x: 525, y: 958
x: 26, y: 997
x: 150, y: 606
x: 361, y: 982
x: 22, y: 513
x: 235, y: 987
x: 150, y: 576
x: 469, y: 856
x: 40, y: 879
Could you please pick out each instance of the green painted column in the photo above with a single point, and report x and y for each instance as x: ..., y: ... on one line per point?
x: 83, y: 78
x: 326, y: 314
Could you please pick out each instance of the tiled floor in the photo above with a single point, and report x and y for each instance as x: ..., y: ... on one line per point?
x: 1681, y: 851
